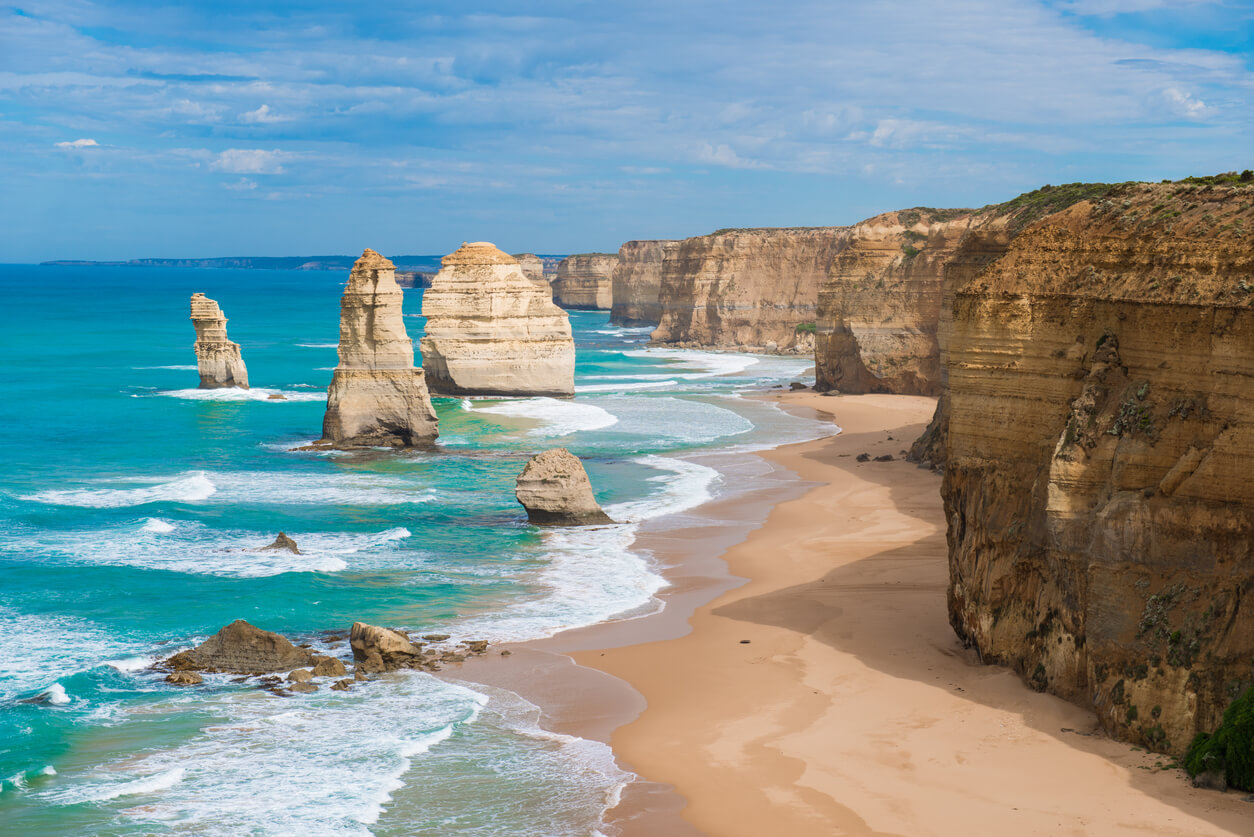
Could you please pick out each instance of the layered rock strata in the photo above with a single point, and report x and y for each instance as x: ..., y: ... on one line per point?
x: 1100, y: 436
x: 532, y: 266
x: 750, y: 290
x: 879, y: 308
x: 637, y: 283
x: 492, y: 331
x: 377, y: 397
x: 217, y: 358
x: 585, y: 281
x: 555, y: 490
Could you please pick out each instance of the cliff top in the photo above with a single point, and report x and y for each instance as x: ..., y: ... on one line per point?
x: 730, y: 230
x: 370, y: 260
x: 591, y: 255
x: 478, y: 252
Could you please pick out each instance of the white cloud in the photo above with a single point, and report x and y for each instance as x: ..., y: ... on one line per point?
x: 79, y: 143
x: 723, y: 155
x: 261, y: 116
x: 241, y: 185
x: 249, y: 161
x: 1184, y: 104
x: 1110, y: 8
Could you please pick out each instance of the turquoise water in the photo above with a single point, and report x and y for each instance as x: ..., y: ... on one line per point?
x: 131, y: 503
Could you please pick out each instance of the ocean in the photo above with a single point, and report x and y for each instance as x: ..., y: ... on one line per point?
x: 132, y: 504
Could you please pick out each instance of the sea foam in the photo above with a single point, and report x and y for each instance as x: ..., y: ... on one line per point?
x: 192, y: 488
x: 558, y: 418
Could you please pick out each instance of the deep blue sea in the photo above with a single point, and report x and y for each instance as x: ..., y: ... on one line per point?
x: 131, y: 505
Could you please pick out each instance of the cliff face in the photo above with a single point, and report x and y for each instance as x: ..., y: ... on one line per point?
x: 377, y: 397
x: 217, y: 358
x: 585, y: 281
x: 637, y: 281
x: 754, y: 290
x: 879, y: 308
x: 492, y: 331
x: 1100, y: 436
x: 532, y: 266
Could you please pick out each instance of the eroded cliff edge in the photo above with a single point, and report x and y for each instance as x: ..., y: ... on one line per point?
x: 585, y: 281
x: 750, y: 290
x: 637, y: 283
x: 1100, y: 431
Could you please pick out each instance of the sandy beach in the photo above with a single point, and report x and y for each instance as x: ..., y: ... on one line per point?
x: 827, y: 694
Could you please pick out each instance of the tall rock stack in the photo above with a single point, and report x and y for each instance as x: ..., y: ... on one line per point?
x: 217, y: 358
x: 532, y: 266
x: 492, y: 331
x: 586, y: 281
x: 636, y: 282
x: 377, y: 396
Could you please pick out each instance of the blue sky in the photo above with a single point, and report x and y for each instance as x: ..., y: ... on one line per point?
x: 283, y: 128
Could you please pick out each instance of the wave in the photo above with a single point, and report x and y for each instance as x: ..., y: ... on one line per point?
x: 559, y: 418
x: 32, y: 646
x: 668, y: 421
x: 181, y: 367
x: 250, y: 487
x: 626, y: 386
x: 104, y: 792
x: 319, y: 345
x: 157, y: 525
x: 237, y: 394
x: 709, y: 364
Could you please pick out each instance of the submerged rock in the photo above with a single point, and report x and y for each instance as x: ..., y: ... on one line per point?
x: 241, y: 648
x: 282, y: 542
x: 380, y: 649
x: 303, y: 688
x: 377, y: 396
x: 555, y: 491
x: 492, y: 331
x: 184, y: 678
x: 341, y: 685
x: 217, y: 358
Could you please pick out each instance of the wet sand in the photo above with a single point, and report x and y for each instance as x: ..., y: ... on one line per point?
x: 852, y: 708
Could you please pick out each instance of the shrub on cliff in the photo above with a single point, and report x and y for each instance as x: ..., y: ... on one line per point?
x: 1230, y: 749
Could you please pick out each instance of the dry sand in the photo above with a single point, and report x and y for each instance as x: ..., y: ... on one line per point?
x: 853, y: 709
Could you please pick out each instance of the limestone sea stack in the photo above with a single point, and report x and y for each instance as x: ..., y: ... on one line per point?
x: 532, y: 266
x: 377, y: 397
x: 555, y: 490
x: 637, y: 281
x: 585, y: 281
x: 492, y: 331
x: 217, y: 358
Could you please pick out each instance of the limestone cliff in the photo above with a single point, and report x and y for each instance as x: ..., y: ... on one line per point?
x: 585, y: 281
x: 636, y: 282
x: 532, y: 266
x: 752, y: 289
x: 879, y: 308
x: 1100, y: 439
x: 492, y: 331
x: 377, y: 397
x: 217, y: 358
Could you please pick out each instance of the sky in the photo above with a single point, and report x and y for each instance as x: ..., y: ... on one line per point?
x: 133, y: 129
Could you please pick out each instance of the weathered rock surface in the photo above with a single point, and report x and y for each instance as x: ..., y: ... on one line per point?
x: 184, y: 678
x: 751, y: 290
x: 328, y: 667
x: 879, y: 309
x: 532, y: 266
x: 217, y: 358
x: 1100, y: 438
x: 381, y: 649
x: 555, y: 490
x: 585, y: 281
x: 637, y: 282
x: 282, y: 543
x: 377, y: 397
x: 492, y: 331
x: 241, y: 648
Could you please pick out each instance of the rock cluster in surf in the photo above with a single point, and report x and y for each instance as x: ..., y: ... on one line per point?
x: 555, y: 490
x: 217, y: 358
x: 377, y: 396
x: 492, y: 331
x: 241, y: 648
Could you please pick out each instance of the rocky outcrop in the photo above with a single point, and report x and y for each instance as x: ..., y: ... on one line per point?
x: 217, y: 358
x: 282, y: 543
x: 585, y: 281
x: 377, y: 397
x: 637, y: 281
x: 380, y: 649
x: 879, y: 309
x: 241, y: 648
x: 555, y: 490
x: 1100, y: 436
x: 532, y: 266
x: 750, y: 290
x: 492, y: 331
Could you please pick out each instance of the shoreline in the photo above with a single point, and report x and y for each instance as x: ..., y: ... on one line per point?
x: 853, y: 709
